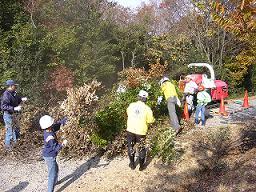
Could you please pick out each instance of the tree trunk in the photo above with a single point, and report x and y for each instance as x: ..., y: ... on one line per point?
x: 133, y: 58
x: 32, y: 21
x: 122, y: 53
x: 221, y: 54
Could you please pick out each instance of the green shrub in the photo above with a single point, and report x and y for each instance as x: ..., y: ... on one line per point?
x: 98, y: 141
x: 163, y: 145
x: 111, y: 120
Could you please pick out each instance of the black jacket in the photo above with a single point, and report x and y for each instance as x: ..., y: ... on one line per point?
x: 9, y: 100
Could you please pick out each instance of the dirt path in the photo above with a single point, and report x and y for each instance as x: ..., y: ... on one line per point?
x: 93, y: 174
x: 116, y: 176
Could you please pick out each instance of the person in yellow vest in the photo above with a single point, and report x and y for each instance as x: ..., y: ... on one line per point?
x: 171, y: 96
x: 139, y: 116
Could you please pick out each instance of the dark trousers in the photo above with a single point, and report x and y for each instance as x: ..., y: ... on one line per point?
x: 132, y: 139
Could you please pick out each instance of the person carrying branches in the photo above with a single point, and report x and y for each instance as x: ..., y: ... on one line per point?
x: 139, y: 116
x: 171, y: 96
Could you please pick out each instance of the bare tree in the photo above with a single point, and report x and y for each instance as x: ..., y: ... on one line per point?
x: 31, y: 7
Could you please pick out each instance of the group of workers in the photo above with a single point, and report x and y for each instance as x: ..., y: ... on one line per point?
x: 139, y: 116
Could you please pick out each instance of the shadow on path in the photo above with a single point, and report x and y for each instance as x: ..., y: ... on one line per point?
x: 91, y: 163
x: 19, y: 187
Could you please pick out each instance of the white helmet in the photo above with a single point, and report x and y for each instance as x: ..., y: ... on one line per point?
x: 143, y: 94
x: 163, y: 80
x: 46, y: 121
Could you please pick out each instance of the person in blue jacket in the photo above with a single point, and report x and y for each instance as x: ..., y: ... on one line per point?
x: 51, y: 148
x: 10, y: 104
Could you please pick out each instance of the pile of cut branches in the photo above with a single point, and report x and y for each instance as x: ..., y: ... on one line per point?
x: 79, y: 108
x: 31, y: 138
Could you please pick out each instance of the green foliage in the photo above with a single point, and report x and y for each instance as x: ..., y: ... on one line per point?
x: 22, y: 56
x: 98, y: 141
x: 11, y: 13
x: 176, y: 51
x: 72, y: 34
x: 132, y: 42
x: 112, y: 118
x: 81, y: 39
x: 78, y: 34
x: 163, y: 145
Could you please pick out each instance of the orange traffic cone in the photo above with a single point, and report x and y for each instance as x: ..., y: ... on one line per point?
x: 246, y: 100
x: 185, y: 112
x: 222, y: 107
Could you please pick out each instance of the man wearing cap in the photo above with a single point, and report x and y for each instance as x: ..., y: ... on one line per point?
x: 171, y: 96
x: 10, y: 103
x: 139, y: 116
x: 190, y: 92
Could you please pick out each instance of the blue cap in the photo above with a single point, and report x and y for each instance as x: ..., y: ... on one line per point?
x: 10, y: 83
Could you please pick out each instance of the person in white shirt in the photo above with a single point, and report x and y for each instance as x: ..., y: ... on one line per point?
x: 189, y: 92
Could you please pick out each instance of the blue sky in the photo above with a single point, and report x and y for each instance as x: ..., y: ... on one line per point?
x: 131, y: 3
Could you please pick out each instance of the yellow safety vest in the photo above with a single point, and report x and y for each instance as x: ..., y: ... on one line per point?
x: 169, y: 90
x: 139, y: 115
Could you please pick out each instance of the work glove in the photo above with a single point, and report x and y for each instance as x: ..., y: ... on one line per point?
x: 63, y: 121
x: 178, y: 102
x: 159, y: 100
x: 24, y: 99
x: 18, y: 108
x: 65, y: 142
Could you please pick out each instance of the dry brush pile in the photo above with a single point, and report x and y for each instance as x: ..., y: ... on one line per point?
x: 136, y: 77
x: 79, y: 108
x: 31, y: 139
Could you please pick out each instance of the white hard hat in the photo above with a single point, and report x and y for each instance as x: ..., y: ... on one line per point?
x: 143, y: 94
x: 46, y: 121
x: 163, y: 80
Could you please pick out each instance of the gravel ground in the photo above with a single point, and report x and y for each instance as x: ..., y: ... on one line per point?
x: 237, y: 114
x: 94, y: 174
x: 32, y: 176
x: 115, y: 177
